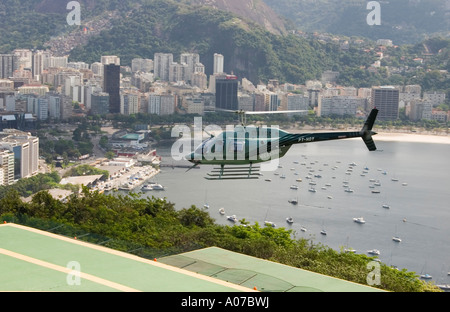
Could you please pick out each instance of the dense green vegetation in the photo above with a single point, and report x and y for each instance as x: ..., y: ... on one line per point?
x: 152, y: 227
x: 403, y: 21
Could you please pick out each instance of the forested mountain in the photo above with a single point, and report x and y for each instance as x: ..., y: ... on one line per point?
x: 249, y: 50
x: 403, y: 21
x: 251, y: 47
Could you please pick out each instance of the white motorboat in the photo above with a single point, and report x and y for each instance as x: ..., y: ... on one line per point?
x: 289, y: 220
x: 147, y: 187
x: 359, y: 220
x: 269, y: 223
x: 294, y: 187
x: 444, y: 287
x: 373, y: 252
x: 157, y: 187
x: 312, y: 190
x: 396, y: 239
x: 303, y: 229
x: 323, y: 232
x: 232, y: 218
x: 222, y: 211
x: 386, y: 206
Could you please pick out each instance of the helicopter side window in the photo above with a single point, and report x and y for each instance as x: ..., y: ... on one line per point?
x: 236, y: 146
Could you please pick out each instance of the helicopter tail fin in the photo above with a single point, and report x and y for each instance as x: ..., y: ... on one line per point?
x: 366, y: 131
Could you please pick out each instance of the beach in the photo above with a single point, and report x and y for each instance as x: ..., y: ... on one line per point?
x: 412, y: 137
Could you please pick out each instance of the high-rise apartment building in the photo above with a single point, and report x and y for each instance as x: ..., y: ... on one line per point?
x: 8, y: 64
x: 129, y: 103
x: 386, y: 99
x: 226, y: 92
x: 191, y: 60
x: 6, y: 166
x: 162, y: 63
x: 111, y: 85
x: 26, y: 151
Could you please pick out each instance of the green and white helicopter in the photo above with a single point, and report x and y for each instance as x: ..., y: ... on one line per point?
x: 247, y: 146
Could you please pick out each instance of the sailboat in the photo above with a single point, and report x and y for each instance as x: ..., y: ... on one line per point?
x: 349, y: 249
x: 426, y: 275
x: 268, y: 223
x: 396, y: 238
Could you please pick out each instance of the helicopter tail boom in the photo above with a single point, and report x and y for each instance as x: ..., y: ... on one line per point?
x: 365, y: 133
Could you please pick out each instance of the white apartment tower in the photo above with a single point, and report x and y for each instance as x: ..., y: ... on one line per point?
x: 218, y: 63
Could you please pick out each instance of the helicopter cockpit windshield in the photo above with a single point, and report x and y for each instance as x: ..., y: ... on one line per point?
x: 210, y: 145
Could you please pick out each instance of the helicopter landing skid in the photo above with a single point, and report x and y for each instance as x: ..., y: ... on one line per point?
x: 233, y: 173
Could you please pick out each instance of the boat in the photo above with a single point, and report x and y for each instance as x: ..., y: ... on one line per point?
x: 289, y: 220
x: 373, y: 252
x: 350, y: 250
x: 349, y: 190
x: 298, y: 180
x: 312, y: 190
x: 222, y: 211
x: 426, y: 276
x: 293, y: 201
x: 269, y: 223
x: 125, y: 187
x: 283, y: 176
x: 386, y: 206
x: 376, y: 191
x: 268, y: 180
x: 294, y: 187
x: 158, y: 187
x: 330, y: 197
x: 396, y: 239
x: 323, y: 232
x: 303, y: 229
x: 404, y: 184
x: 359, y: 220
x: 444, y: 287
x: 232, y: 218
x: 147, y: 187
x: 206, y: 206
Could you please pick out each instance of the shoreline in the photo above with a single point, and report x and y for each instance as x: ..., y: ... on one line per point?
x: 412, y: 137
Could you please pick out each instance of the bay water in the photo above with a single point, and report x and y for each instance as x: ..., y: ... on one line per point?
x: 413, y: 179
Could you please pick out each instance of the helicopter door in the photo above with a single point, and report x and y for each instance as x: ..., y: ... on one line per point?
x: 236, y: 149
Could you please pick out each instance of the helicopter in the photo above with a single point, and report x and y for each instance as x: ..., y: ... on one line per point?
x: 243, y: 148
